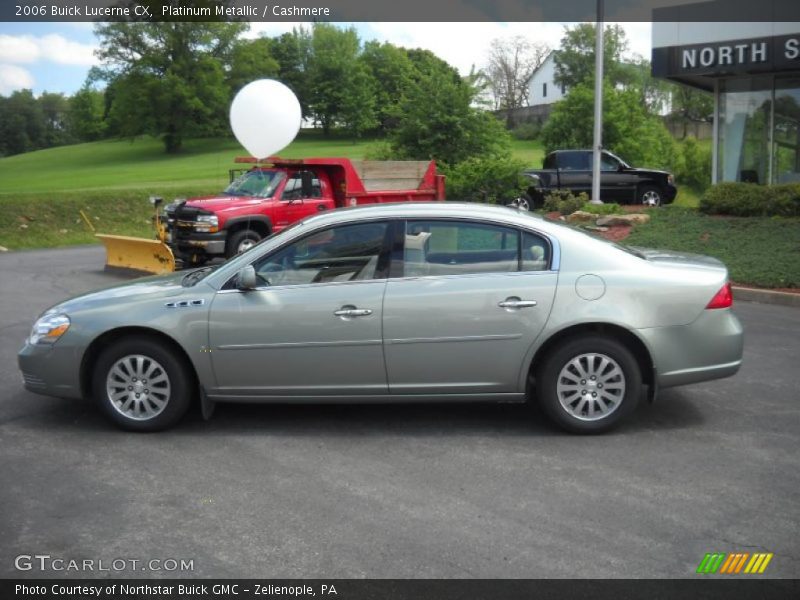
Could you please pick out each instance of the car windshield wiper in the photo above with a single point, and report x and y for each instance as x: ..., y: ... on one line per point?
x: 192, y: 278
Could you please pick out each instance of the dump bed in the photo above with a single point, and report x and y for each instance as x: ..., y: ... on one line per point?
x: 368, y: 182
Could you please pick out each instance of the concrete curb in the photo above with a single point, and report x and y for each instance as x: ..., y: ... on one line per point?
x: 766, y: 296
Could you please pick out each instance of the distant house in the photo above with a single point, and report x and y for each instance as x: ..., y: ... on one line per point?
x: 542, y: 89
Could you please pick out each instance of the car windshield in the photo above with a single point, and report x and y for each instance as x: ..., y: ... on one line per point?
x: 257, y: 183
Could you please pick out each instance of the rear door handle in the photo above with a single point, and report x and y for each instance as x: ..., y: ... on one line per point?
x: 514, y: 303
x: 350, y: 311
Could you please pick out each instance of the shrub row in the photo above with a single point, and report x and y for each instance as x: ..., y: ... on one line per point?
x: 752, y: 200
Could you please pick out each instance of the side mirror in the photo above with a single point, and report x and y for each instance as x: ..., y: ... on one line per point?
x: 246, y: 278
x: 620, y: 167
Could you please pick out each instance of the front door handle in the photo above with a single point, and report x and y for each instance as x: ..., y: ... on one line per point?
x: 513, y: 303
x: 349, y: 311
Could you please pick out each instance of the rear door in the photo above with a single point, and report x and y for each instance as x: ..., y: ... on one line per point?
x: 463, y: 306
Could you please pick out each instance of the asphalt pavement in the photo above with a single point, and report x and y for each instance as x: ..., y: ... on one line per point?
x: 439, y: 491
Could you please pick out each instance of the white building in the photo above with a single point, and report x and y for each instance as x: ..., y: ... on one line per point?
x: 542, y: 88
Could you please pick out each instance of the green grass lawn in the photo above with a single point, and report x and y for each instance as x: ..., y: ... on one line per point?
x: 142, y: 163
x: 758, y: 251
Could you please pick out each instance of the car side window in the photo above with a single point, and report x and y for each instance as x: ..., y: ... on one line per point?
x: 344, y: 253
x: 459, y: 248
x: 294, y: 188
x: 608, y: 163
x: 535, y: 252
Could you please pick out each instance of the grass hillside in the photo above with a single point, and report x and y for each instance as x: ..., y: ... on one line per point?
x: 43, y: 192
x: 142, y: 163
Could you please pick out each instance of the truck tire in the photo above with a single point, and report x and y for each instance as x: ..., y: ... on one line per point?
x: 522, y: 202
x: 650, y: 195
x: 241, y: 241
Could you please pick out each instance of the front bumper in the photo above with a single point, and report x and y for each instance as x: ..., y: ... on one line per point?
x: 51, y: 370
x: 189, y: 243
x: 709, y: 348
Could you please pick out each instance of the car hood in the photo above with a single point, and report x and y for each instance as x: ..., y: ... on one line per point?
x: 158, y: 286
x: 647, y: 171
x: 218, y: 204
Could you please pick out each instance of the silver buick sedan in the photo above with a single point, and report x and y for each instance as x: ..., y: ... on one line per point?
x: 414, y: 302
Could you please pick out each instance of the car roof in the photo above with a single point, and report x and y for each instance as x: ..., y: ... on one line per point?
x: 449, y: 209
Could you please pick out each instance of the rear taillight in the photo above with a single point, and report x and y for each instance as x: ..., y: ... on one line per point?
x: 723, y: 298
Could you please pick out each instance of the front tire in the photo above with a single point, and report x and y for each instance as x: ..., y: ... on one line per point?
x: 651, y: 196
x: 241, y: 241
x: 142, y: 386
x: 588, y: 384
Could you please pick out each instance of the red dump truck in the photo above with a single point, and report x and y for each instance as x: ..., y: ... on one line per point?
x: 271, y: 194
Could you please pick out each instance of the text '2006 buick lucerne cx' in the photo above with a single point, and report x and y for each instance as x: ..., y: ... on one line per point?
x: 400, y: 303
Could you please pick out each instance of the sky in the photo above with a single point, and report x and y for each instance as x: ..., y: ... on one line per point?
x: 55, y: 57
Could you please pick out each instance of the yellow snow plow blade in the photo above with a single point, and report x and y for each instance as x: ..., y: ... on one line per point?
x: 138, y: 254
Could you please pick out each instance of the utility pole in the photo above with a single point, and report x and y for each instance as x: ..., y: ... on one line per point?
x: 598, y: 105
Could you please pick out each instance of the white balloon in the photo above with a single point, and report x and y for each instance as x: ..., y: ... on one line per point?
x: 265, y: 117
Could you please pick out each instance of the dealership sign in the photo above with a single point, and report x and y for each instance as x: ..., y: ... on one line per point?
x: 756, y: 55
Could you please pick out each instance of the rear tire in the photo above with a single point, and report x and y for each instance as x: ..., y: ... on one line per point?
x: 588, y: 384
x: 241, y: 241
x: 141, y: 386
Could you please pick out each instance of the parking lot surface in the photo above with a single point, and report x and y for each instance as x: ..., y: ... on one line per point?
x: 450, y: 491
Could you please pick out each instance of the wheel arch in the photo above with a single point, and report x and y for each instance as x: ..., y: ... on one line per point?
x: 260, y: 224
x: 623, y: 335
x: 103, y: 341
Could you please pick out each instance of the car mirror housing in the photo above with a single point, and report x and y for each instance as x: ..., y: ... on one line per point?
x: 246, y: 278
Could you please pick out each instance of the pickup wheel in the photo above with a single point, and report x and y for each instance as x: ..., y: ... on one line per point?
x: 522, y: 202
x: 241, y: 241
x: 649, y: 195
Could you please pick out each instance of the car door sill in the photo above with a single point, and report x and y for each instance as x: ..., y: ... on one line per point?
x: 368, y: 399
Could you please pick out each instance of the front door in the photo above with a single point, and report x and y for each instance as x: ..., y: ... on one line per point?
x: 471, y: 300
x: 313, y: 326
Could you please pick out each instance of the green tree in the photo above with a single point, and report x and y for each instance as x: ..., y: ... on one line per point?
x: 628, y: 129
x: 293, y: 53
x: 250, y: 60
x: 22, y: 123
x: 341, y: 87
x: 168, y: 78
x: 55, y: 110
x: 437, y: 118
x: 86, y: 115
x: 391, y: 71
x: 575, y: 58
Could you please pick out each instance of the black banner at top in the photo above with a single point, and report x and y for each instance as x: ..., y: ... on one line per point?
x: 394, y: 10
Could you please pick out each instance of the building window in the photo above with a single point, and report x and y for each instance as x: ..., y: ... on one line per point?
x: 544, y: 90
x: 786, y: 131
x: 759, y: 129
x: 744, y: 132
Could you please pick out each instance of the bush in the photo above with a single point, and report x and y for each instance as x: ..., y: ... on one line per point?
x: 693, y: 168
x: 485, y: 179
x: 752, y: 200
x: 526, y: 131
x: 602, y: 209
x: 564, y: 201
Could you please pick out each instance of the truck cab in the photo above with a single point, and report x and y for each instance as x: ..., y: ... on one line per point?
x: 267, y: 197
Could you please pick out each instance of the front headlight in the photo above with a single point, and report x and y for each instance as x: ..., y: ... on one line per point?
x: 207, y: 223
x: 48, y: 329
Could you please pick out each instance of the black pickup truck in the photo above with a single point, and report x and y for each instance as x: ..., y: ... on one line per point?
x: 619, y: 182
